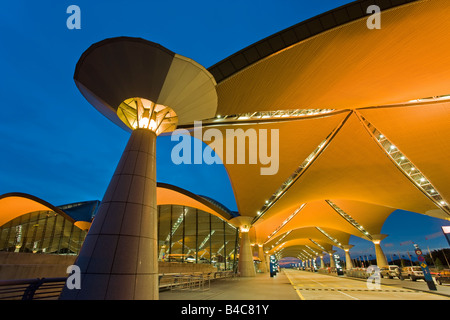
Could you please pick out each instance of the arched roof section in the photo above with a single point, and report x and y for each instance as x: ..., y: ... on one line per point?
x: 15, y: 204
x: 311, y: 130
x: 170, y: 194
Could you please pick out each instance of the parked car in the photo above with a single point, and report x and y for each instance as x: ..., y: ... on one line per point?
x: 413, y: 273
x: 443, y: 277
x: 390, y: 272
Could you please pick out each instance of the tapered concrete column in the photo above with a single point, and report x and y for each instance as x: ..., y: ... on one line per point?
x: 381, y: 258
x: 245, y: 265
x: 348, y: 260
x: 118, y: 259
x: 262, y: 256
x: 322, y: 264
x: 332, y: 263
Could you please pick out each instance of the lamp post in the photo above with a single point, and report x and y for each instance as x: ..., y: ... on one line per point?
x: 148, y: 90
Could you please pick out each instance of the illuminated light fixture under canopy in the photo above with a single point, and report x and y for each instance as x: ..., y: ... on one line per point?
x: 145, y: 114
x: 299, y: 171
x: 271, y: 115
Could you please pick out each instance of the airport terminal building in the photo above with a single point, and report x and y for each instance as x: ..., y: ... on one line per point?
x: 358, y: 119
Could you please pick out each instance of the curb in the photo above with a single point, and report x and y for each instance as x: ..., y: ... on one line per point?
x: 409, y: 288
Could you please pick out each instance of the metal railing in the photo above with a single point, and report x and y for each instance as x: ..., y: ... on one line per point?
x: 192, y: 281
x: 32, y: 289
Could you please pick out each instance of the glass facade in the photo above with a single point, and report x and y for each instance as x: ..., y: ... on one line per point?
x: 190, y: 235
x: 41, y: 232
x: 185, y: 234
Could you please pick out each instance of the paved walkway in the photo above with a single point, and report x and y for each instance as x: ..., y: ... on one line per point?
x: 292, y: 284
x: 261, y: 287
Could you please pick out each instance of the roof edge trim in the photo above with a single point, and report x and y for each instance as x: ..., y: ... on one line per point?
x: 196, y: 197
x: 38, y: 200
x: 295, y: 34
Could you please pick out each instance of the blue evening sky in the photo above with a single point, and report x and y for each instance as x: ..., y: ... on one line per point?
x: 54, y: 145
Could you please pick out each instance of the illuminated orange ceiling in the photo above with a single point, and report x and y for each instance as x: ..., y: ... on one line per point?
x: 175, y: 196
x: 303, y: 236
x: 359, y: 71
x: 349, y: 68
x: 297, y: 139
